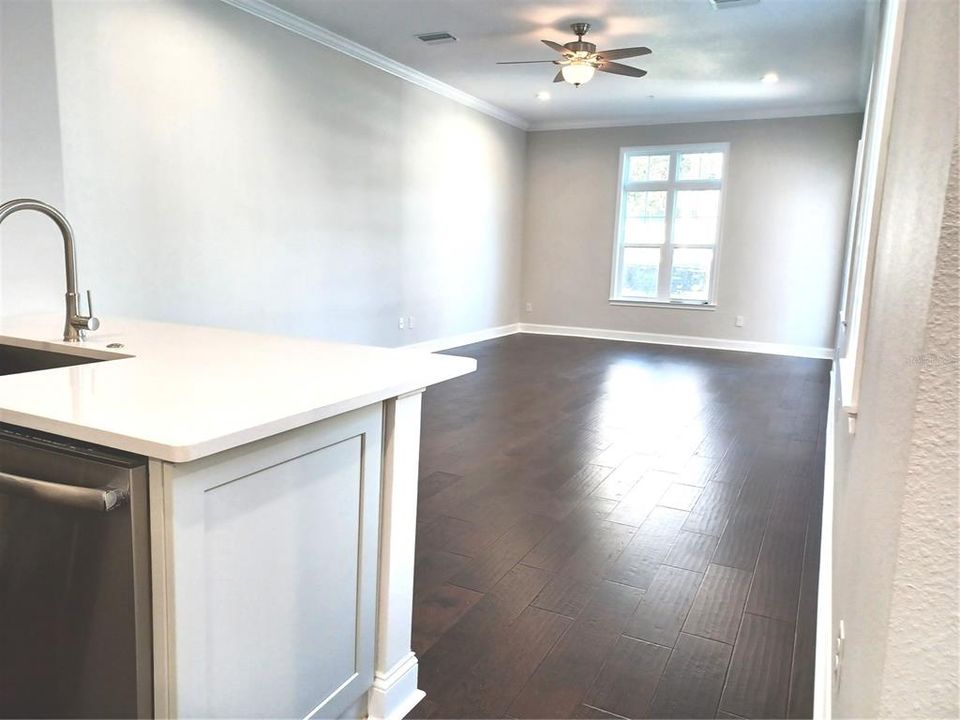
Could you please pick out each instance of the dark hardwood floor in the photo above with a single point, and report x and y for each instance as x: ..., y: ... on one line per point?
x: 612, y: 529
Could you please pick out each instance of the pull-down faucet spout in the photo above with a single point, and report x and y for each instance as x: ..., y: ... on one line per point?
x: 75, y: 323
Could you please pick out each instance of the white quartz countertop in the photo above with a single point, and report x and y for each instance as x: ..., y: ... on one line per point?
x: 180, y: 392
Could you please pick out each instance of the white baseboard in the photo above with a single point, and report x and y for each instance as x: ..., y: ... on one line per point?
x: 681, y: 340
x: 823, y: 667
x: 455, y: 341
x: 395, y: 693
x: 452, y: 341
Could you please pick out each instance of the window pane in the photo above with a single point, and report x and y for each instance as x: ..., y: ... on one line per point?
x: 648, y: 168
x: 641, y: 266
x: 690, y: 275
x: 646, y: 221
x: 696, y: 217
x: 700, y: 166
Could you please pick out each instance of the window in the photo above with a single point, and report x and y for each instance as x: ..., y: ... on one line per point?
x: 864, y: 222
x: 668, y: 225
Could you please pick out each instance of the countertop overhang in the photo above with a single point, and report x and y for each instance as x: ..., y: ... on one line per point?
x: 182, y: 392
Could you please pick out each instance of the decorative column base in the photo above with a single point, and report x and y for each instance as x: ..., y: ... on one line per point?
x: 395, y: 693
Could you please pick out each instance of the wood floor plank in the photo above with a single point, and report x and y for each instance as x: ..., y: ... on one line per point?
x: 776, y: 584
x: 567, y: 536
x: 733, y: 468
x: 439, y: 610
x: 716, y: 444
x: 458, y: 649
x: 432, y: 568
x: 628, y: 680
x: 692, y: 682
x: 496, y: 678
x: 558, y: 686
x: 739, y: 546
x: 718, y: 607
x: 627, y: 474
x: 692, y: 551
x: 424, y: 710
x: 458, y: 536
x: 642, y: 498
x: 642, y: 557
x: 681, y: 496
x: 486, y: 569
x: 616, y: 453
x: 433, y: 483
x: 577, y: 578
x: 698, y: 470
x: 800, y: 703
x: 455, y: 494
x: 759, y: 676
x: 709, y: 514
x: 664, y: 607
x: 584, y: 481
x: 585, y: 712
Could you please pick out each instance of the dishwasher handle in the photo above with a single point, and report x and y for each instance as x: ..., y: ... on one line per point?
x: 74, y: 496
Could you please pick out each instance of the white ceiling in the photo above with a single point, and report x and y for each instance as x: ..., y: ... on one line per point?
x: 706, y: 63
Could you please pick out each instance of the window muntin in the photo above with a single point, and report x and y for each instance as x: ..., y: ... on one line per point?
x: 668, y: 228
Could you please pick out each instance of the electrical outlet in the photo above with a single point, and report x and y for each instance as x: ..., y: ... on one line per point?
x: 410, y: 322
x: 838, y: 644
x: 402, y: 322
x: 529, y: 307
x: 739, y: 321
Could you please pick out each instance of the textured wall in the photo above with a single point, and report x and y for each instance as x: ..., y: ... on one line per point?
x: 922, y: 650
x: 895, y: 496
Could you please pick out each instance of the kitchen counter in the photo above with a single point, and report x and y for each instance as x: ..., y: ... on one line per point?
x: 282, y: 474
x: 179, y: 393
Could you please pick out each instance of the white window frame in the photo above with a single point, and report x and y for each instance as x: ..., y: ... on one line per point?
x: 672, y: 185
x: 865, y: 208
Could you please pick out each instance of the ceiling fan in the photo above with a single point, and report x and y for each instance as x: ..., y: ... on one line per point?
x: 581, y: 59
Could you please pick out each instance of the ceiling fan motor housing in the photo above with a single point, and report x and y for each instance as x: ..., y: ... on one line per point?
x: 579, y: 46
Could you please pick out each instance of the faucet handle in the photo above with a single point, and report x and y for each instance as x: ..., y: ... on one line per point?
x: 89, y: 321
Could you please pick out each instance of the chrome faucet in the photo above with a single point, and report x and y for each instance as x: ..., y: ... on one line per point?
x: 75, y: 323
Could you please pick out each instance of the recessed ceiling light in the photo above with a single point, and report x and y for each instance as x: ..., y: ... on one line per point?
x: 770, y: 78
x: 543, y: 96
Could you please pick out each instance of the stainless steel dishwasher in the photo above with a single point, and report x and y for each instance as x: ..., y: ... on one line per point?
x: 75, y: 625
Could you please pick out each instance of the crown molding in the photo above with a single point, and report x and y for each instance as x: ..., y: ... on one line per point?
x: 845, y: 108
x: 312, y: 31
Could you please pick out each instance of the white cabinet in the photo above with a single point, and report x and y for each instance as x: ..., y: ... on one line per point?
x: 265, y: 564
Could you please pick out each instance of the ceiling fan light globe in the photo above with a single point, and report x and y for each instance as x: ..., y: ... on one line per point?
x: 578, y: 73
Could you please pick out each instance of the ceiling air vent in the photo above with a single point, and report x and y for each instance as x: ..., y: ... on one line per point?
x: 724, y: 4
x: 436, y: 38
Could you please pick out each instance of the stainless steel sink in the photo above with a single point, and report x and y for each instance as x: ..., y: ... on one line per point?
x: 15, y: 360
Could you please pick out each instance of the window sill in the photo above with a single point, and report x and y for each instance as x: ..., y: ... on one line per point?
x: 846, y: 371
x: 665, y: 305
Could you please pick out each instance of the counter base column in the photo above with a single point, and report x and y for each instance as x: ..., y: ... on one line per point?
x: 394, y: 693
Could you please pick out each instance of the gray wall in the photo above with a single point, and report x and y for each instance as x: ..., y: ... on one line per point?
x: 787, y: 196
x: 895, y: 525
x: 221, y: 170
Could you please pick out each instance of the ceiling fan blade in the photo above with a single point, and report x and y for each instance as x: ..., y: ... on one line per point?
x: 558, y: 77
x: 557, y: 46
x: 621, y: 53
x: 525, y: 62
x: 620, y: 69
